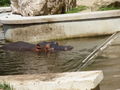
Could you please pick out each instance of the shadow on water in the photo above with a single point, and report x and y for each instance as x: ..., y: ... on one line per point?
x: 12, y: 63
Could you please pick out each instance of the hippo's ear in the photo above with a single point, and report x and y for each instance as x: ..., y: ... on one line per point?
x: 37, y: 44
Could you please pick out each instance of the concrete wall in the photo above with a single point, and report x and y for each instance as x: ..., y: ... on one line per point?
x: 3, y: 10
x: 34, y: 29
x: 56, y: 81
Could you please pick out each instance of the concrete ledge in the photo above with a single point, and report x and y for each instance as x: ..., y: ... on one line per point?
x: 5, y: 9
x: 60, y: 81
x: 52, y: 27
x: 17, y: 19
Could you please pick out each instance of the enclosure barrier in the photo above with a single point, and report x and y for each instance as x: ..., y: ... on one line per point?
x: 57, y: 81
x: 52, y: 27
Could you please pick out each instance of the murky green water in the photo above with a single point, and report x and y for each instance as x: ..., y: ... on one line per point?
x: 33, y: 63
x: 109, y: 62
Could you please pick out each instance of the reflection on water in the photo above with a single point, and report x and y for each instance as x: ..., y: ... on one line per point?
x: 33, y: 63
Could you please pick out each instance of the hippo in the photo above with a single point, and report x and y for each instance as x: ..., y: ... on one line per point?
x: 40, y: 47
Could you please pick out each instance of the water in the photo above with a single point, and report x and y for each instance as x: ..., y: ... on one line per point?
x: 109, y: 62
x: 13, y: 63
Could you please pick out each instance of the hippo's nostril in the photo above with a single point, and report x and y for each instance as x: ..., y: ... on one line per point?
x: 65, y: 48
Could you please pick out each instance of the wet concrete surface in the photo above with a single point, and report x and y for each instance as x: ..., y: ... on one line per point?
x: 109, y: 62
x: 14, y: 63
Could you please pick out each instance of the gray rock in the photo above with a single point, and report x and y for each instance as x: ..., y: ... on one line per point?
x: 94, y: 5
x: 101, y: 3
x: 41, y: 7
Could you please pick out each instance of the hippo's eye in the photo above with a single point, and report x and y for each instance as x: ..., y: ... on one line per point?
x: 65, y: 49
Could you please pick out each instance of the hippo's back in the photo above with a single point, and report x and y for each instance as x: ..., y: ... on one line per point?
x: 18, y: 46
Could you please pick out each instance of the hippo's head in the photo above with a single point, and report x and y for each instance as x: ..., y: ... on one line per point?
x: 46, y: 46
x: 42, y: 48
x: 51, y: 47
